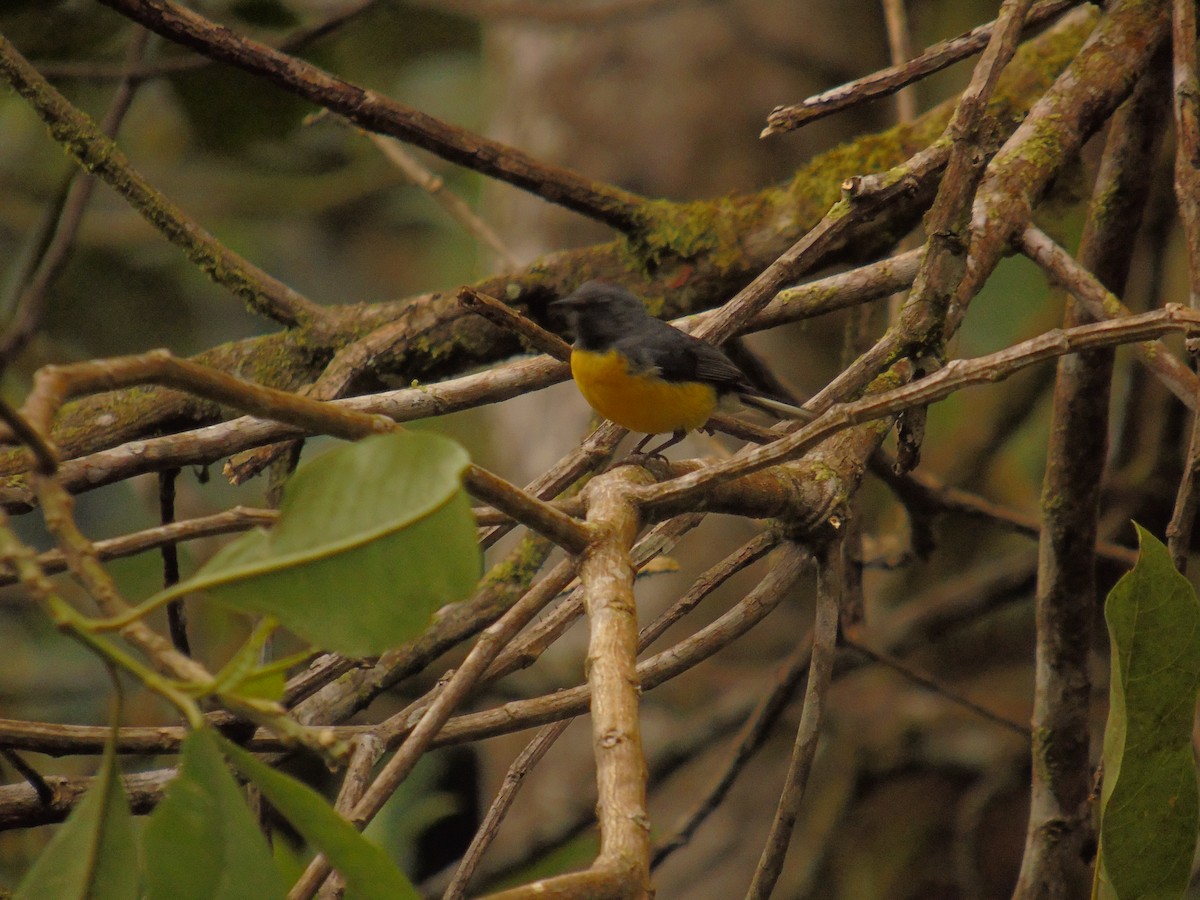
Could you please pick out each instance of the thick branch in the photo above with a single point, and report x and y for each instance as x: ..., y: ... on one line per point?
x: 1096, y: 82
x: 1059, y: 821
x: 728, y: 242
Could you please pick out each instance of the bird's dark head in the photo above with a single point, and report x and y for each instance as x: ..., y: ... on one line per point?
x: 600, y: 313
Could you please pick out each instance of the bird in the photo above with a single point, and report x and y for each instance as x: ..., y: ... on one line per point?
x: 647, y: 375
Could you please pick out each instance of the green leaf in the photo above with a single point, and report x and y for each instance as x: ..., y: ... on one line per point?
x: 368, y: 872
x: 202, y: 842
x: 94, y: 855
x: 243, y: 674
x: 1149, y: 799
x: 372, y: 538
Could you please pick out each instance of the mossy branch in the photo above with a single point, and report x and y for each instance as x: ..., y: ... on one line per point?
x: 696, y: 255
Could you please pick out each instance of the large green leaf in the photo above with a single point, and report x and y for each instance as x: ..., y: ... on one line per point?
x: 368, y: 872
x: 372, y: 538
x: 202, y: 842
x: 1149, y: 800
x: 94, y: 854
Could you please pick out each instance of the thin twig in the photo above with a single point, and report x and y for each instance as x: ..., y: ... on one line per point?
x: 895, y: 15
x: 367, y: 751
x: 490, y: 642
x: 176, y: 611
x: 956, y: 375
x: 237, y: 519
x: 31, y: 775
x: 935, y: 687
x: 750, y: 740
x: 45, y: 459
x: 1102, y: 304
x: 892, y: 79
x: 830, y: 579
x: 529, y: 757
x: 537, y: 337
x: 921, y: 492
x: 435, y: 187
x: 374, y: 112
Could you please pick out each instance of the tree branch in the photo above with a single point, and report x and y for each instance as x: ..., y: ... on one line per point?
x: 99, y: 155
x: 367, y: 109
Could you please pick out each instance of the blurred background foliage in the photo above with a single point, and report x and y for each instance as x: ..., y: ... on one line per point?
x: 912, y: 796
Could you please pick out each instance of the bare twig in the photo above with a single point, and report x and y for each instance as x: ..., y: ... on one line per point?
x: 953, y: 377
x: 894, y: 78
x: 435, y: 187
x: 530, y: 645
x: 376, y: 113
x: 857, y: 205
x: 830, y: 580
x: 176, y: 611
x: 525, y: 508
x: 367, y: 751
x: 533, y: 334
x: 1101, y: 303
x: 1095, y: 83
x: 895, y: 15
x: 54, y: 385
x: 935, y: 687
x: 923, y: 492
x: 45, y: 459
x: 753, y: 735
x: 32, y: 776
x: 513, y: 779
x: 490, y: 642
x: 237, y: 519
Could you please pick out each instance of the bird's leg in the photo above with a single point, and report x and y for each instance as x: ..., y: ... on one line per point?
x: 642, y: 443
x: 658, y: 451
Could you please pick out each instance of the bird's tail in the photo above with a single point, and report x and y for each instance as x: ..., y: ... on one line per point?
x: 776, y: 407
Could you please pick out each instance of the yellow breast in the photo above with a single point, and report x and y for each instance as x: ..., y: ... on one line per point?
x: 643, y: 403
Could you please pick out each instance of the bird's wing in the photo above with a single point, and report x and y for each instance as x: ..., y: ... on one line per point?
x: 716, y: 368
x: 663, y: 350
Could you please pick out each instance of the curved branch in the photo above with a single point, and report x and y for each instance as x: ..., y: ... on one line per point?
x: 367, y: 109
